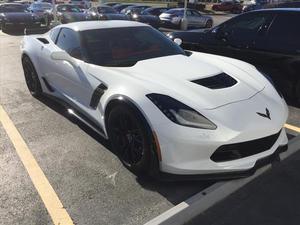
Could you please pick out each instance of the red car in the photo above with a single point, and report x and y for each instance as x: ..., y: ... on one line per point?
x: 233, y: 7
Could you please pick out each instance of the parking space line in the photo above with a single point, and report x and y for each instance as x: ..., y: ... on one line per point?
x: 291, y: 127
x: 56, y: 210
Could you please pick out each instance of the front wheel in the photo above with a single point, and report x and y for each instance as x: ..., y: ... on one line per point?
x: 31, y: 77
x: 130, y: 138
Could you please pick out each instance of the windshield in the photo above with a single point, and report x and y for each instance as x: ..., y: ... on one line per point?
x: 68, y: 8
x: 126, y: 46
x: 13, y: 8
x: 106, y: 10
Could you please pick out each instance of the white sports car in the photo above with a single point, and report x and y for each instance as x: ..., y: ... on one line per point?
x: 166, y: 111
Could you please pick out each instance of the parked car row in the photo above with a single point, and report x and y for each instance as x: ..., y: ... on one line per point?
x: 268, y: 39
x: 42, y: 12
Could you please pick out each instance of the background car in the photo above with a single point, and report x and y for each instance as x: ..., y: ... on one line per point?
x: 82, y: 3
x: 133, y: 8
x: 14, y: 16
x: 120, y: 7
x: 144, y: 17
x: 104, y: 12
x: 173, y: 18
x: 251, y: 7
x: 268, y: 39
x: 41, y: 9
x: 68, y: 13
x: 156, y: 11
x: 111, y: 4
x: 160, y: 116
x: 231, y: 6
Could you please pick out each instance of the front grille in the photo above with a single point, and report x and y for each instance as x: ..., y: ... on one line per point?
x: 244, y: 149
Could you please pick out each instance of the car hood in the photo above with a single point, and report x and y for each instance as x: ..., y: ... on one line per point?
x: 18, y: 16
x: 173, y: 76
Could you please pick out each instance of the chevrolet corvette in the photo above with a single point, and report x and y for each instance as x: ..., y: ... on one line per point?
x: 166, y: 111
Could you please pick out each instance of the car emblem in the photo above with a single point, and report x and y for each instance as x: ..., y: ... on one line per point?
x: 267, y: 115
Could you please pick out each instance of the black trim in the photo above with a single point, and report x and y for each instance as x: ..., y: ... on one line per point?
x: 97, y: 94
x: 77, y: 112
x: 49, y: 87
x: 244, y: 149
x: 43, y: 40
x: 226, y: 175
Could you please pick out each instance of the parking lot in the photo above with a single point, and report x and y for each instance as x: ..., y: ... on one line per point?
x: 89, y: 180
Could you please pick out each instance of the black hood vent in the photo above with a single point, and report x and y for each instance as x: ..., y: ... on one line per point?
x: 216, y: 82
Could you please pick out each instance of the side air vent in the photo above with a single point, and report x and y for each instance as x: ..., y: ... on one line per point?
x: 43, y: 40
x: 217, y: 82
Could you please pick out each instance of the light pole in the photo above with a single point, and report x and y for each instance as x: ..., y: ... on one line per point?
x: 55, y: 21
x: 184, y: 22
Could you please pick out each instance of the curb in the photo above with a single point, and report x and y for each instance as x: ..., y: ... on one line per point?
x: 185, y: 211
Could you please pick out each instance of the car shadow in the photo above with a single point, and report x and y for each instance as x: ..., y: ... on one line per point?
x: 21, y: 32
x: 174, y: 191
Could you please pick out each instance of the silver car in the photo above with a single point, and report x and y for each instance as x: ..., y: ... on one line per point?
x: 173, y: 17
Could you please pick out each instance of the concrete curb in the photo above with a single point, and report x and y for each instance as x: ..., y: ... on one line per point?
x: 205, y: 199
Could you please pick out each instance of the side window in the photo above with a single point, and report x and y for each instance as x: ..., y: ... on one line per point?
x: 243, y: 30
x: 53, y: 34
x: 68, y: 40
x: 284, y: 34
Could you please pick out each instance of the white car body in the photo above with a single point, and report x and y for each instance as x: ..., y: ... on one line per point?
x: 184, y: 150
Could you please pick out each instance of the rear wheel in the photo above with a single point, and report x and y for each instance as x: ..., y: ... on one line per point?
x: 130, y: 138
x: 31, y: 77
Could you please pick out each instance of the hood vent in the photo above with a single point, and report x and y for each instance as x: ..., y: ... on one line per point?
x: 217, y: 82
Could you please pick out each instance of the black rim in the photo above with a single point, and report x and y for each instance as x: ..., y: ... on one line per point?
x: 128, y: 138
x: 30, y: 76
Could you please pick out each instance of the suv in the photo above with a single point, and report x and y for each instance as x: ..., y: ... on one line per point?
x: 82, y: 3
x: 268, y: 39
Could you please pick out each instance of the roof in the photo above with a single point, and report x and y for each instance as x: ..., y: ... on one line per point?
x: 92, y: 25
x: 281, y: 9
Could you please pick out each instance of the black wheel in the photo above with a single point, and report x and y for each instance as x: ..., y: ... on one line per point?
x: 130, y: 137
x: 31, y: 77
x: 209, y: 24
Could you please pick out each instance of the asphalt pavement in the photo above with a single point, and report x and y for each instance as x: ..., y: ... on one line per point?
x: 271, y: 199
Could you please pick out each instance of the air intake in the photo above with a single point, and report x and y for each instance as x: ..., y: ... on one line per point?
x: 217, y: 82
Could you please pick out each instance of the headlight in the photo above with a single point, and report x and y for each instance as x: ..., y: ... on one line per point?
x: 180, y: 113
x: 272, y: 82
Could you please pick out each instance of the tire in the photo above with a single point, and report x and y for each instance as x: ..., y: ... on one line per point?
x: 31, y: 77
x: 209, y: 24
x: 131, y: 138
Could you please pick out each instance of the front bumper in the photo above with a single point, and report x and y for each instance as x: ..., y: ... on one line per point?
x: 226, y: 175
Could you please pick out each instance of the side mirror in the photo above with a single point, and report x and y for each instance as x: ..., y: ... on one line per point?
x: 178, y: 41
x: 64, y: 56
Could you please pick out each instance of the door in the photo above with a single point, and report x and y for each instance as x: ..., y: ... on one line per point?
x: 198, y: 19
x: 282, y: 51
x: 71, y: 81
x: 241, y: 37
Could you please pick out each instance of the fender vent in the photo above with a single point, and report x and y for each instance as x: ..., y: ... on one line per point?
x: 217, y: 82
